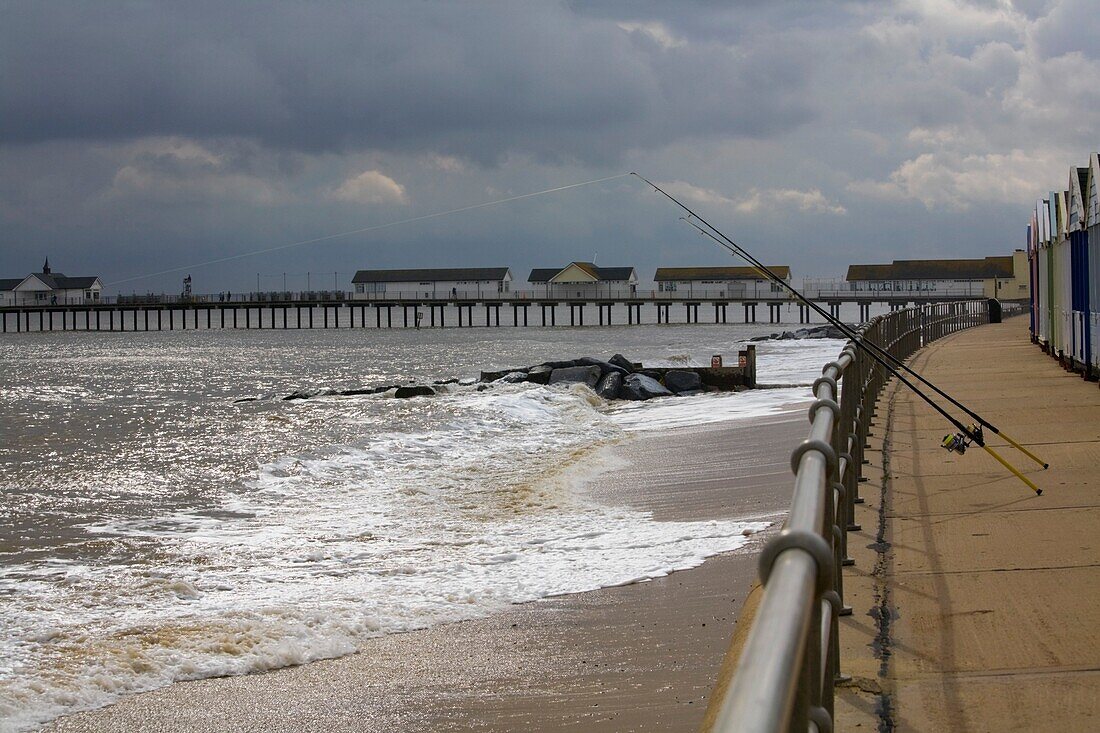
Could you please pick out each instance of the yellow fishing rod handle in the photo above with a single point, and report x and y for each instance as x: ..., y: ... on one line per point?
x: 1010, y: 467
x: 1025, y: 451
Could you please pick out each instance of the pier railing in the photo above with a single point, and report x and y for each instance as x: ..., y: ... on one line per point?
x: 791, y: 657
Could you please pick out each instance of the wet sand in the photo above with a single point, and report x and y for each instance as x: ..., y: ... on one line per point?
x: 637, y: 657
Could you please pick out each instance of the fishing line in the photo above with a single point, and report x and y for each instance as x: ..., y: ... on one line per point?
x: 364, y: 230
x: 873, y: 350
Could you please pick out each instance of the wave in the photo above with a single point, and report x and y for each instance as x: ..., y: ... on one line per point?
x: 447, y: 509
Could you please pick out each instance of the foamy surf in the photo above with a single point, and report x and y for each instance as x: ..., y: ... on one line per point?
x: 476, y: 509
x: 189, y: 537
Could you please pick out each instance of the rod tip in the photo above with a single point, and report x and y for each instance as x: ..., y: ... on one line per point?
x: 1038, y: 492
x: 1046, y: 466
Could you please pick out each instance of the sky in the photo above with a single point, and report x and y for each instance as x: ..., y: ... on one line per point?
x: 144, y: 141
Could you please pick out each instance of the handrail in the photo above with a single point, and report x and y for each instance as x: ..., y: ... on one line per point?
x: 791, y: 658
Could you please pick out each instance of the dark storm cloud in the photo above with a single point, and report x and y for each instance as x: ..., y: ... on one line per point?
x: 479, y: 81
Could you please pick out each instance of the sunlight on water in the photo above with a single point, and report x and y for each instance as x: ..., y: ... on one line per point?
x: 153, y: 530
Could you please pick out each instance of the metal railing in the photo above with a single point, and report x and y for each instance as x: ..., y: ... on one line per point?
x: 791, y: 658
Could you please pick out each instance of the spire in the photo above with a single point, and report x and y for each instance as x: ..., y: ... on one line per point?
x: 46, y: 267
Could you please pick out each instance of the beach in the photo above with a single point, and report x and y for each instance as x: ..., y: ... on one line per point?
x: 637, y: 657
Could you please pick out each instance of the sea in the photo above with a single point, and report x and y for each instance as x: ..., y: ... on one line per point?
x: 154, y: 529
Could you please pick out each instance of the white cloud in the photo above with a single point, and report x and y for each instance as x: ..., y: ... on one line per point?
x: 684, y: 190
x: 370, y: 187
x: 657, y: 32
x: 445, y: 163
x: 177, y: 170
x: 812, y: 201
x: 955, y: 182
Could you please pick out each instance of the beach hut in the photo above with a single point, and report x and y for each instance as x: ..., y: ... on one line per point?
x: 1033, y: 278
x: 1060, y: 325
x: 1077, y: 235
x: 1091, y: 225
x: 1043, y: 256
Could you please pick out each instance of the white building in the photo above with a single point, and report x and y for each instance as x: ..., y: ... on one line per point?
x: 457, y: 282
x: 739, y: 283
x: 583, y: 280
x: 991, y: 277
x: 50, y: 288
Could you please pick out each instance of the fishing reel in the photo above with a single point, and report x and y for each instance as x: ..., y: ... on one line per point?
x: 959, y: 442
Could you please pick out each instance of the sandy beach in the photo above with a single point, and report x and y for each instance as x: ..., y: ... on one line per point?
x: 637, y: 657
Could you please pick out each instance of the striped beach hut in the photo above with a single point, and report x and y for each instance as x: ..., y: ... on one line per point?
x: 1091, y: 226
x: 1080, y: 344
x: 1063, y: 249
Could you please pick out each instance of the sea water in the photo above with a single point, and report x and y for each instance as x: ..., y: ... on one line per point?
x: 153, y: 530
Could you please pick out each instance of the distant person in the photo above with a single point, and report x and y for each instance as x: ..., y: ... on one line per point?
x: 419, y: 318
x: 454, y: 292
x: 228, y: 295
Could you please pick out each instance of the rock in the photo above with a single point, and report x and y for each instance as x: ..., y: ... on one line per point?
x: 417, y: 391
x: 640, y: 387
x: 762, y: 338
x: 246, y: 399
x: 622, y: 362
x: 300, y: 394
x: 788, y: 335
x: 609, y: 385
x: 441, y: 382
x: 370, y: 390
x: 690, y: 393
x: 681, y: 380
x: 655, y: 376
x: 561, y: 364
x: 513, y: 378
x: 499, y: 374
x: 482, y: 387
x: 604, y: 366
x: 589, y: 375
x: 540, y: 374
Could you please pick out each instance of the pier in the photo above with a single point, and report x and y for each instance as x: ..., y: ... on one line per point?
x: 337, y: 310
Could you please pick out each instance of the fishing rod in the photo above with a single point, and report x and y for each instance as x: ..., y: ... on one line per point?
x: 958, y: 442
x: 855, y: 336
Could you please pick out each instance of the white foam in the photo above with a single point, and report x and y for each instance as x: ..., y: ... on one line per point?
x: 318, y: 552
x: 704, y: 409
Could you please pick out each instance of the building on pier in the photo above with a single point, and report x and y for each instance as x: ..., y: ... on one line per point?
x: 50, y: 288
x: 432, y: 283
x: 1004, y: 277
x: 583, y: 280
x: 738, y: 283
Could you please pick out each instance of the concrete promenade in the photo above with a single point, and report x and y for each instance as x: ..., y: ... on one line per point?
x: 976, y: 603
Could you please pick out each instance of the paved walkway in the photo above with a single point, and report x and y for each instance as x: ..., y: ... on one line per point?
x: 976, y: 603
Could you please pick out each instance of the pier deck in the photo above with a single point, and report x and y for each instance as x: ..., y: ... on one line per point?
x: 992, y: 593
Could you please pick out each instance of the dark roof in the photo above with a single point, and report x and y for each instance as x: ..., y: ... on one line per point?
x: 542, y: 274
x: 718, y: 273
x: 430, y: 275
x: 545, y: 274
x: 934, y: 270
x: 57, y: 281
x: 8, y: 284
